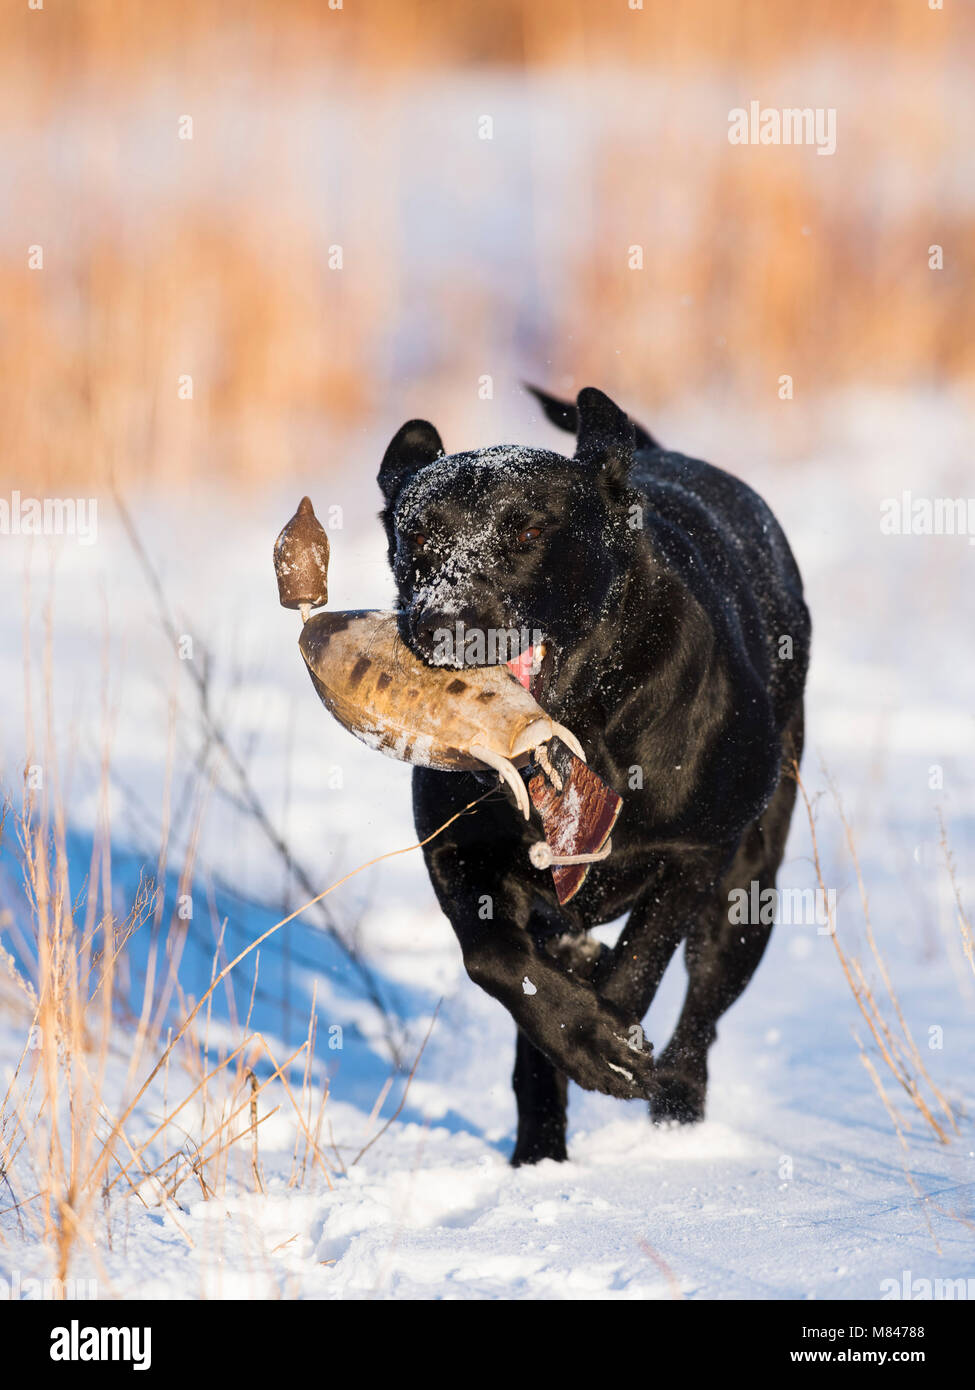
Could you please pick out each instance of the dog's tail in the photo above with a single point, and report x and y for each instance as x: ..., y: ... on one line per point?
x: 565, y: 416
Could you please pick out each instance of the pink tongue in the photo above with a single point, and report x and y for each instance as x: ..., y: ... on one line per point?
x: 521, y: 667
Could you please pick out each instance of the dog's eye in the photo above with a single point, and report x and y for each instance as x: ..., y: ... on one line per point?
x: 419, y: 541
x: 530, y: 533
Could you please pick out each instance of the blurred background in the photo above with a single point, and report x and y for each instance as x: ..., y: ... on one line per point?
x: 459, y: 256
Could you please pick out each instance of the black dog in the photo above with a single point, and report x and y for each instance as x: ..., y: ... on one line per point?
x: 676, y: 646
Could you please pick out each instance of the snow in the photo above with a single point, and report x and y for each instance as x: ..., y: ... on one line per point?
x: 794, y: 1186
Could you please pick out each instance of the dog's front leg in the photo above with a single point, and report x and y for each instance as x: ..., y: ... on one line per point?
x: 590, y: 1040
x: 593, y: 1041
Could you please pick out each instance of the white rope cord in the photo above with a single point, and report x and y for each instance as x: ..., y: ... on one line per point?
x: 542, y: 856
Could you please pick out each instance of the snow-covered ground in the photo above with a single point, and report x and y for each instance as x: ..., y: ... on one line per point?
x: 795, y: 1185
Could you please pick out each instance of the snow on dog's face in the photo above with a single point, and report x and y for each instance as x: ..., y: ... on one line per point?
x: 507, y: 554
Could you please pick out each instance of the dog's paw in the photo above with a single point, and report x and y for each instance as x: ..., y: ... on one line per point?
x: 533, y: 1148
x: 617, y: 1060
x: 677, y: 1099
x: 633, y: 1065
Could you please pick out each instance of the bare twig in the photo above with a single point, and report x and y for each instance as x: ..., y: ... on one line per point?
x: 255, y: 1164
x: 248, y: 795
x: 861, y: 992
x: 187, y: 1022
x: 396, y: 1113
x: 964, y: 924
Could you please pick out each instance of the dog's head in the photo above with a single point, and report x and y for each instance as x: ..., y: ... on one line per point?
x: 508, y: 554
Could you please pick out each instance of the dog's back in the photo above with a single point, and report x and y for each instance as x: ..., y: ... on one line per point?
x: 734, y: 557
x: 724, y: 541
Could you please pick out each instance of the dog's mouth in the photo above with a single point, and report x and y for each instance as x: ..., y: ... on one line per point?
x: 467, y: 646
x: 532, y: 668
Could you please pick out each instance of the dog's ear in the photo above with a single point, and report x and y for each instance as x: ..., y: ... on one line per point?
x: 411, y: 448
x: 606, y: 437
x: 565, y: 415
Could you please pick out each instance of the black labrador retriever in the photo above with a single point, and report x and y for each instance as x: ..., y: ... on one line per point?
x: 676, y: 642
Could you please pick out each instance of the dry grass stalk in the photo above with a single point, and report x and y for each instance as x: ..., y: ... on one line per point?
x: 255, y: 1161
x: 890, y: 1050
x: 964, y: 923
x: 298, y: 1175
x: 896, y: 1121
x: 406, y: 1090
x: 216, y: 737
x: 912, y: 1054
x: 98, y: 1169
x: 676, y: 1291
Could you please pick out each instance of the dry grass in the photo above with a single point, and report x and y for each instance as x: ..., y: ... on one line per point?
x: 964, y: 921
x: 893, y: 1038
x: 413, y: 34
x: 75, y: 1127
x: 758, y: 263
x: 65, y: 1145
x: 70, y: 1137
